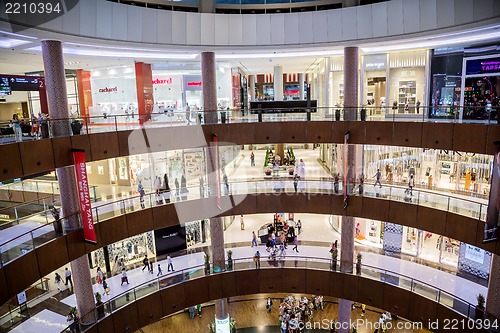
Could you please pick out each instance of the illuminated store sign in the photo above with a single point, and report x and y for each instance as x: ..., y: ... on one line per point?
x: 108, y: 89
x: 482, y: 66
x: 194, y: 84
x: 168, y: 80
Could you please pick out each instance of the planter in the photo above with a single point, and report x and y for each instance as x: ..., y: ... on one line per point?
x: 207, y: 269
x: 337, y: 115
x: 76, y: 127
x: 358, y: 268
x: 363, y: 114
x: 45, y: 130
x: 479, y: 312
x: 229, y: 264
x: 290, y: 172
x: 58, y: 228
x: 100, y: 309
x: 268, y: 173
x: 333, y: 265
x: 223, y: 117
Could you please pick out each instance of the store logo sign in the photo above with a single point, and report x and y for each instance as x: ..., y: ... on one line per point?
x: 163, y: 81
x: 490, y: 66
x: 108, y: 89
x: 194, y: 84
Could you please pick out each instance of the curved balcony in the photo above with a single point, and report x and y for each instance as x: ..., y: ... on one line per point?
x: 441, y: 214
x: 114, y: 136
x: 149, y: 302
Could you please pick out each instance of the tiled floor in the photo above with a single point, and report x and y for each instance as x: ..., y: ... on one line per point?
x: 45, y: 321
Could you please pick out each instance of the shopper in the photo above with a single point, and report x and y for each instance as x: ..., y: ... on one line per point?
x: 157, y: 185
x: 67, y: 274
x: 256, y: 258
x: 242, y: 223
x: 140, y: 189
x: 299, y: 226
x: 377, y: 178
x: 269, y: 304
x: 151, y: 266
x: 301, y: 168
x: 160, y: 271
x: 336, y: 183
x: 252, y: 159
x: 105, y: 286
x: 411, y: 183
x: 124, y: 276
x: 145, y: 261
x: 169, y: 263
x: 295, y: 243
x: 100, y: 275
x: 188, y: 113
x: 15, y: 123
x: 363, y: 310
x: 58, y: 279
x: 296, y: 182
x: 177, y: 190
x: 254, y: 239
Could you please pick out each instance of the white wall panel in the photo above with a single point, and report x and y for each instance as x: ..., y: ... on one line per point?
x: 464, y: 11
x: 179, y: 28
x: 364, y: 21
x: 379, y: 19
x: 193, y: 28
x: 428, y: 15
x: 164, y: 27
x: 263, y: 29
x: 55, y: 24
x: 104, y: 19
x: 292, y: 28
x: 395, y: 17
x: 221, y: 29
x: 445, y: 10
x: 334, y: 25
x: 320, y: 26
x: 411, y: 16
x: 88, y: 18
x: 235, y: 29
x: 305, y: 27
x: 349, y: 18
x: 119, y: 21
x: 149, y: 24
x: 134, y: 26
x: 71, y: 20
x: 482, y: 9
x: 249, y: 29
x: 208, y: 29
x: 278, y: 29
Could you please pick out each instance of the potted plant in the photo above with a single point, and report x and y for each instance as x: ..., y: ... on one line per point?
x: 480, y: 307
x: 268, y: 171
x: 76, y: 126
x: 358, y: 264
x: 335, y: 254
x: 207, y: 264
x: 99, y: 305
x: 229, y: 260
x: 290, y: 171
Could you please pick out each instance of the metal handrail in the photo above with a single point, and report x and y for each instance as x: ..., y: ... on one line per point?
x: 124, y: 204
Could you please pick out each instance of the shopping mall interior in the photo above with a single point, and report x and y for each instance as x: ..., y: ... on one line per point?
x: 249, y: 166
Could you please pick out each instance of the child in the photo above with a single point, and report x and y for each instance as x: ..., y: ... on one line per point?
x: 160, y: 272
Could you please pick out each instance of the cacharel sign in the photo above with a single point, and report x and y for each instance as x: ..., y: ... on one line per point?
x: 167, y: 80
x: 108, y: 89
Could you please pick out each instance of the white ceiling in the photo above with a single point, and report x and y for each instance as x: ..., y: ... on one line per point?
x: 92, y: 53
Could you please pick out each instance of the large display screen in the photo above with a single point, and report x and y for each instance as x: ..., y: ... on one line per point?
x: 5, y: 86
x: 169, y: 240
x: 482, y: 66
x: 491, y: 226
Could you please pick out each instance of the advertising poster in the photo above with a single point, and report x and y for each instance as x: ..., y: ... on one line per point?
x: 491, y: 226
x: 84, y: 196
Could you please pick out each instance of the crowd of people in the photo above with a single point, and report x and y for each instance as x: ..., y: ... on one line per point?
x: 294, y: 313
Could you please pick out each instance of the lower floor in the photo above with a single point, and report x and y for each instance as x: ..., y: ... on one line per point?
x: 251, y: 316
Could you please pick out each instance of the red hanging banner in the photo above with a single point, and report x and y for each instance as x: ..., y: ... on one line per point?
x: 84, y: 196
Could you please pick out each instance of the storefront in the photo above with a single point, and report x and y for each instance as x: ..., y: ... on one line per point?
x: 132, y: 250
x: 431, y: 168
x: 374, y: 77
x: 481, y: 88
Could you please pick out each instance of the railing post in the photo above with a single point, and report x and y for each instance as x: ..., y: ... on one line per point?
x: 116, y: 123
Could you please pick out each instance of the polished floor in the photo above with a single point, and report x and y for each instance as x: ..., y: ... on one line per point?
x: 251, y: 317
x: 45, y: 321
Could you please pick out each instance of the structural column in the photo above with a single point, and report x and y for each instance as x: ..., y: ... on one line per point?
x: 302, y: 82
x: 55, y: 82
x: 493, y: 297
x: 347, y: 235
x: 252, y: 87
x: 208, y: 72
x: 278, y: 83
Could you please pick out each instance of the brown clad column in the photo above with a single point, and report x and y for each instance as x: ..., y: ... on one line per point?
x: 347, y: 230
x: 55, y: 82
x: 208, y: 74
